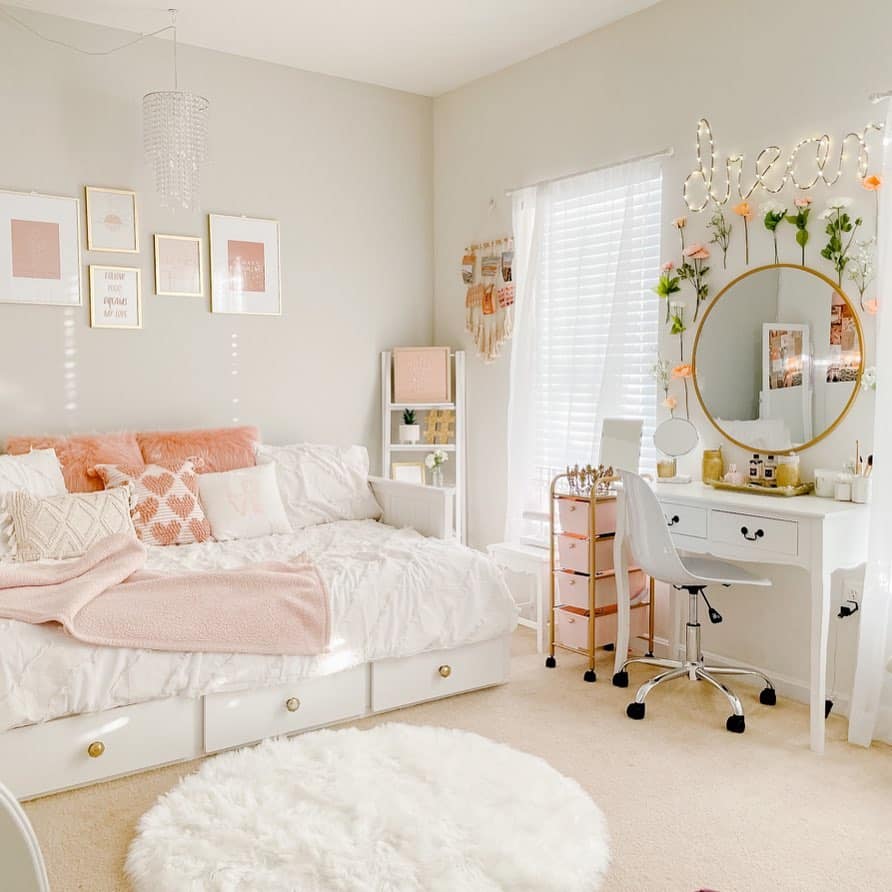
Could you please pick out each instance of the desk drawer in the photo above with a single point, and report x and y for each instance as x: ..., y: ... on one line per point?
x: 760, y: 534
x: 685, y: 520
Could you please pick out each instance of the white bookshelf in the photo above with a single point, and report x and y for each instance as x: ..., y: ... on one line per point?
x: 455, y: 470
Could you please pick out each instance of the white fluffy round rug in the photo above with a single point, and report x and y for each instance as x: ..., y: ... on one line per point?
x: 398, y: 808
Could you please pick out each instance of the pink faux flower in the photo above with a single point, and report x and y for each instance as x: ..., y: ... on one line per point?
x: 871, y: 306
x: 670, y: 402
x: 804, y: 202
x: 680, y: 222
x: 697, y: 252
x: 668, y: 266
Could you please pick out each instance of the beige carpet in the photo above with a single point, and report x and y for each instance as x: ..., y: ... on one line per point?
x: 688, y: 804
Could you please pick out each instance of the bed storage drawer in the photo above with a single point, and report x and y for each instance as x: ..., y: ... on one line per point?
x: 439, y: 673
x: 240, y: 717
x: 81, y: 749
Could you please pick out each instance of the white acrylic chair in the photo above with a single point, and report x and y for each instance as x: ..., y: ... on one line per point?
x: 21, y: 863
x: 654, y: 551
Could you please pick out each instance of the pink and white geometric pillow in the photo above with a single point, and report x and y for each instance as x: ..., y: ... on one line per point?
x: 166, y: 509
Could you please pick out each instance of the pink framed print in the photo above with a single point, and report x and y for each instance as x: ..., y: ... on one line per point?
x: 178, y: 266
x: 245, y: 266
x: 421, y: 375
x: 112, y: 223
x: 40, y: 249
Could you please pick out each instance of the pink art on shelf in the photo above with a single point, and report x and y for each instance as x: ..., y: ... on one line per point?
x: 247, y: 268
x: 35, y: 250
x: 421, y: 375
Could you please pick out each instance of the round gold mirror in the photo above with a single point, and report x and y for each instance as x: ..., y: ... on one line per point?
x: 778, y: 358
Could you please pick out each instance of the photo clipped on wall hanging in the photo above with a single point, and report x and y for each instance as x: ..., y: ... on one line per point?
x: 111, y: 220
x: 178, y: 271
x: 40, y: 249
x: 245, y: 273
x: 115, y: 297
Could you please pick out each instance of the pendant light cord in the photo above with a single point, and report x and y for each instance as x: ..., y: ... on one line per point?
x: 6, y: 14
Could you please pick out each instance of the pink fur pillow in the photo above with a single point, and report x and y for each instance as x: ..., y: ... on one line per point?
x: 78, y: 455
x: 221, y: 449
x: 166, y: 509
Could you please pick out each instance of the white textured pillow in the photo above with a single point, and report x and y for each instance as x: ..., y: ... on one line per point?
x: 66, y: 526
x: 37, y: 472
x: 243, y: 504
x: 321, y: 484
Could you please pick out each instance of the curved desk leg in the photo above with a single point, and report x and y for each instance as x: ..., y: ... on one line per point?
x: 623, y: 597
x: 820, y: 625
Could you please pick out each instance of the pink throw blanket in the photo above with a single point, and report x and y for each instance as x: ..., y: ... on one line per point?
x: 106, y: 598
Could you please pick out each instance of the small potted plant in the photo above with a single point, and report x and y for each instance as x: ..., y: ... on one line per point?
x: 434, y: 463
x: 410, y: 432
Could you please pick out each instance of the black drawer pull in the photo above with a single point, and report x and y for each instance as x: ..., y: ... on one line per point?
x: 675, y: 520
x: 746, y: 534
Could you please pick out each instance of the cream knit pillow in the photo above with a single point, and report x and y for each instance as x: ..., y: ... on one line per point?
x: 66, y: 526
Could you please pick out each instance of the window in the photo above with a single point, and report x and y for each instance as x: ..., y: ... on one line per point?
x: 594, y: 255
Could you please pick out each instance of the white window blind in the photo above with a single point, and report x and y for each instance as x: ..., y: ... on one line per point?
x: 596, y: 256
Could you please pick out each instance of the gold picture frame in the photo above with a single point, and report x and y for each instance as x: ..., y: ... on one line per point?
x: 403, y: 470
x: 111, y: 204
x: 197, y: 240
x: 95, y: 317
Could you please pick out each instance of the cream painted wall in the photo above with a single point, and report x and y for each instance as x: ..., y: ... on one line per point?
x: 345, y: 168
x: 762, y: 72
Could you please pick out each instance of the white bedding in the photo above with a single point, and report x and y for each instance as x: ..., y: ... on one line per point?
x: 393, y: 593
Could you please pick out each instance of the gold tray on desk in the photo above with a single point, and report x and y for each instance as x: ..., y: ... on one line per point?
x: 803, y: 489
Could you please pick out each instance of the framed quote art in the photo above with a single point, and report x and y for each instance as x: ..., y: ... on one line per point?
x: 245, y: 272
x: 40, y: 249
x: 111, y: 220
x: 115, y: 297
x: 178, y: 267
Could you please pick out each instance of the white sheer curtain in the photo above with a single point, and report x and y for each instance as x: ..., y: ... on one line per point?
x: 869, y: 719
x: 587, y: 252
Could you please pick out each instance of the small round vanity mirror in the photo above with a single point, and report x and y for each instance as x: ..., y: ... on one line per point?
x: 675, y: 436
x: 778, y: 359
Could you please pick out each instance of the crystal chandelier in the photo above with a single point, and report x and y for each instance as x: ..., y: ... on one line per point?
x: 175, y: 125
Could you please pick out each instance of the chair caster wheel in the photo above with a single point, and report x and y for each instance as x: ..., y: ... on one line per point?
x: 635, y: 710
x: 621, y: 679
x: 550, y: 662
x: 650, y: 654
x: 736, y: 724
x: 589, y: 675
x: 768, y: 697
x: 609, y: 647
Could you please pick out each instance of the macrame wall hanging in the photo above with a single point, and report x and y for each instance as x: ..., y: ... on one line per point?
x: 488, y: 271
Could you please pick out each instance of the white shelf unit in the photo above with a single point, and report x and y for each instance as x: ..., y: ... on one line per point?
x: 457, y: 451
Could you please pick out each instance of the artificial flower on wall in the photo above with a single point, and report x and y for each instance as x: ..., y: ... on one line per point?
x: 667, y: 284
x: 841, y: 230
x: 721, y: 233
x: 799, y: 219
x: 744, y: 210
x: 773, y: 214
x: 694, y: 269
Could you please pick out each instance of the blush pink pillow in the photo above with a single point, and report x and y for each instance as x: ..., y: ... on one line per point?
x: 165, y: 505
x: 221, y: 449
x: 78, y: 454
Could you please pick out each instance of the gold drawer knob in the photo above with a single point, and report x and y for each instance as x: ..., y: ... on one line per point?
x: 292, y: 704
x: 95, y: 749
x: 445, y: 671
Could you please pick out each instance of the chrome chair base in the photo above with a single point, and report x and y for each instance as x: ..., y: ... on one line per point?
x: 694, y: 667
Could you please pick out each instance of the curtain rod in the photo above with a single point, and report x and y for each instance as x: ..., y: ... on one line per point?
x: 663, y: 153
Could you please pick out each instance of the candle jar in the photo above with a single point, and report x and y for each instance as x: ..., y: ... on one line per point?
x: 713, y: 466
x: 788, y: 470
x: 666, y: 468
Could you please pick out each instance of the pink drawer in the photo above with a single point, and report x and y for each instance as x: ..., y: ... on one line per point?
x: 573, y: 516
x: 571, y: 629
x: 573, y: 553
x: 572, y: 591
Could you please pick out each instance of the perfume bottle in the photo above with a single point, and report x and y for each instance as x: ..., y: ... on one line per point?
x: 769, y: 471
x: 756, y: 468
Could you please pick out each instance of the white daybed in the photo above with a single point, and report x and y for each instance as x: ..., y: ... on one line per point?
x: 413, y: 617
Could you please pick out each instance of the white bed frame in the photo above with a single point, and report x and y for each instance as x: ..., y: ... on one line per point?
x: 82, y: 749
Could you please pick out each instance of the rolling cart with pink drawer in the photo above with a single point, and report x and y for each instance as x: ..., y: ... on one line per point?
x: 583, y: 581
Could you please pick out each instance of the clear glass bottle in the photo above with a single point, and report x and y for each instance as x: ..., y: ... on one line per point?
x: 756, y: 468
x: 769, y: 470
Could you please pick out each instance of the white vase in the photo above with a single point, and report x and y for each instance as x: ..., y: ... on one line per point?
x: 410, y: 433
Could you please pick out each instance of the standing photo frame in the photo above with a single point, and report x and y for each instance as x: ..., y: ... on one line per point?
x: 112, y: 220
x: 115, y: 297
x: 40, y: 249
x: 245, y: 265
x: 179, y: 271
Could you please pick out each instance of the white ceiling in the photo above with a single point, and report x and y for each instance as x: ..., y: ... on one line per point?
x: 421, y: 46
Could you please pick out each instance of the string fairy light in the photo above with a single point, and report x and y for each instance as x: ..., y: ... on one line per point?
x: 765, y: 166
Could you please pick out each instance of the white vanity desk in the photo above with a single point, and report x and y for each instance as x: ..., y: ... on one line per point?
x: 818, y: 535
